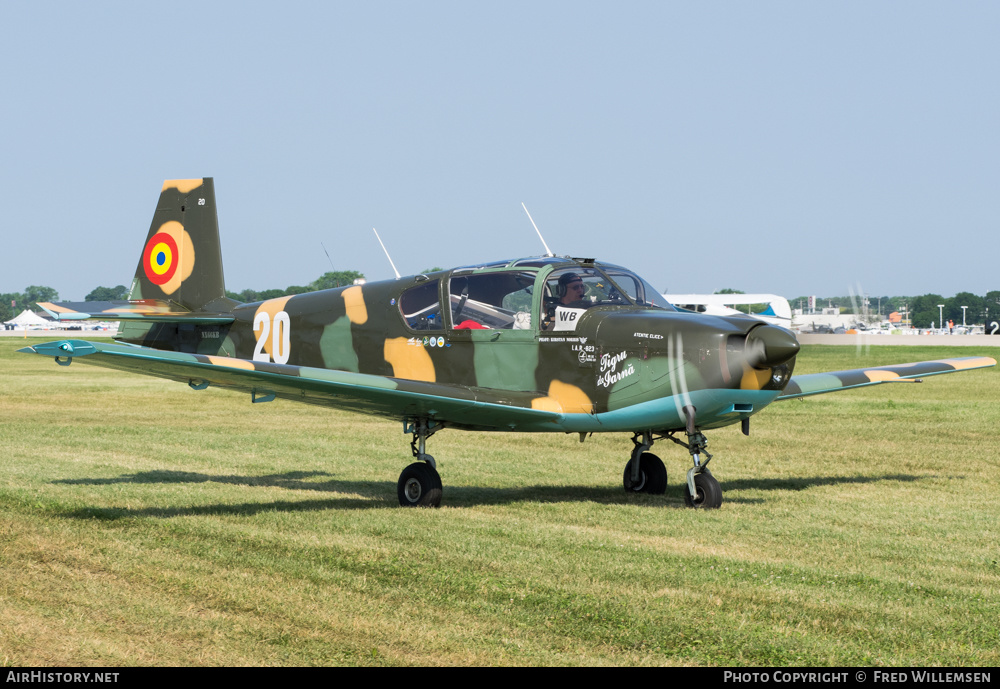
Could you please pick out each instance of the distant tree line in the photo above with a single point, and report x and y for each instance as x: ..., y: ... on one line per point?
x: 923, y: 310
x: 335, y: 278
x: 14, y: 303
x: 330, y: 280
x: 116, y: 293
x: 745, y: 308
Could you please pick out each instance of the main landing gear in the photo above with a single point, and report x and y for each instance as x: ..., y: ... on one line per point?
x: 645, y: 473
x: 420, y: 485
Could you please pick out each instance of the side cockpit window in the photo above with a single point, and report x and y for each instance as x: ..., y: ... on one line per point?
x: 421, y: 307
x: 490, y: 301
x: 570, y: 291
x: 585, y: 287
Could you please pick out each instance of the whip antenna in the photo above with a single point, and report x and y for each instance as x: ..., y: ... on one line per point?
x: 386, y: 253
x: 328, y: 255
x: 548, y: 251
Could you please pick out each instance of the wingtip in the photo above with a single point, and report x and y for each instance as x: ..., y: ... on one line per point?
x: 62, y: 348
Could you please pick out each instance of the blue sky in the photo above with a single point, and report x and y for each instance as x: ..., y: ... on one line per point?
x: 785, y: 147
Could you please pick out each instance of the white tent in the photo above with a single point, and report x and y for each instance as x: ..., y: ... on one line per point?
x: 27, y: 318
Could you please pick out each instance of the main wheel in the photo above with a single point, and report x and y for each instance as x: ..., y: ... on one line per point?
x: 652, y: 475
x: 709, y: 492
x: 419, y: 486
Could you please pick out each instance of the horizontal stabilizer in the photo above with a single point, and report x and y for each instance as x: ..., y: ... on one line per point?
x: 150, y: 310
x: 818, y: 383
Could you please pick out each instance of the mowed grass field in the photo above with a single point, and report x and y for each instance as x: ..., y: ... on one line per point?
x: 143, y: 523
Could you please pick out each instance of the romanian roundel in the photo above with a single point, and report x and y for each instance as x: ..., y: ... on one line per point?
x: 160, y: 258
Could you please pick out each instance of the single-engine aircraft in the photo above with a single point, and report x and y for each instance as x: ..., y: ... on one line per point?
x: 571, y: 345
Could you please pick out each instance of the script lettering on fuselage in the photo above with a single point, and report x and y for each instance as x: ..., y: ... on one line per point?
x: 609, y: 374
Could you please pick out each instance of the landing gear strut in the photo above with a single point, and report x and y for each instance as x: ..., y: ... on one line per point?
x: 420, y: 485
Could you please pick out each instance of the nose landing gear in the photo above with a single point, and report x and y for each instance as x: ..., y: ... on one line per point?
x: 645, y: 473
x: 702, y: 489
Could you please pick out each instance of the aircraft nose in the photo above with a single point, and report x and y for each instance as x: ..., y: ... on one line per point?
x: 769, y: 346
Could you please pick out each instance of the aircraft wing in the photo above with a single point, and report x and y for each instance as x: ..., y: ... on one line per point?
x: 459, y: 406
x: 145, y: 310
x: 818, y: 383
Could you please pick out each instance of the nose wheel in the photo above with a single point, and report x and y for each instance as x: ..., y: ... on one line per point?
x: 708, y: 492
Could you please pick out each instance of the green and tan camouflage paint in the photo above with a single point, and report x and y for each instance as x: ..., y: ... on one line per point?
x: 623, y: 366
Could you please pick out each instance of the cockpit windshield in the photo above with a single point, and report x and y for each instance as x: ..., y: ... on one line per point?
x: 639, y: 291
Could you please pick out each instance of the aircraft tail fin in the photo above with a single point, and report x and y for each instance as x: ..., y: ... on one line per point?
x: 179, y: 277
x: 181, y: 260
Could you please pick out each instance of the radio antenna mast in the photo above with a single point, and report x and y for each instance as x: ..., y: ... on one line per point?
x: 328, y: 255
x: 386, y: 253
x: 548, y: 251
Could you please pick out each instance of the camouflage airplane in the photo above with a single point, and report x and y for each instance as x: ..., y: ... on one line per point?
x: 535, y: 344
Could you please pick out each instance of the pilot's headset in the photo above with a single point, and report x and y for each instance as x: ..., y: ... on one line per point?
x: 564, y: 281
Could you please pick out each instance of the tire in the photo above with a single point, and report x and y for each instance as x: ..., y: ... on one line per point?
x: 652, y: 475
x: 419, y: 486
x: 709, y: 493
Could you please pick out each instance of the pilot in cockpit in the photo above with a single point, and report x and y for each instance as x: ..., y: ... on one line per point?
x: 570, y: 288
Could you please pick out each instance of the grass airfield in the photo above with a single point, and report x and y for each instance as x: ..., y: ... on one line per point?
x: 143, y: 523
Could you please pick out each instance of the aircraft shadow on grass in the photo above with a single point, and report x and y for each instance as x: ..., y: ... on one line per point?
x: 374, y: 495
x: 803, y: 482
x: 290, y: 479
